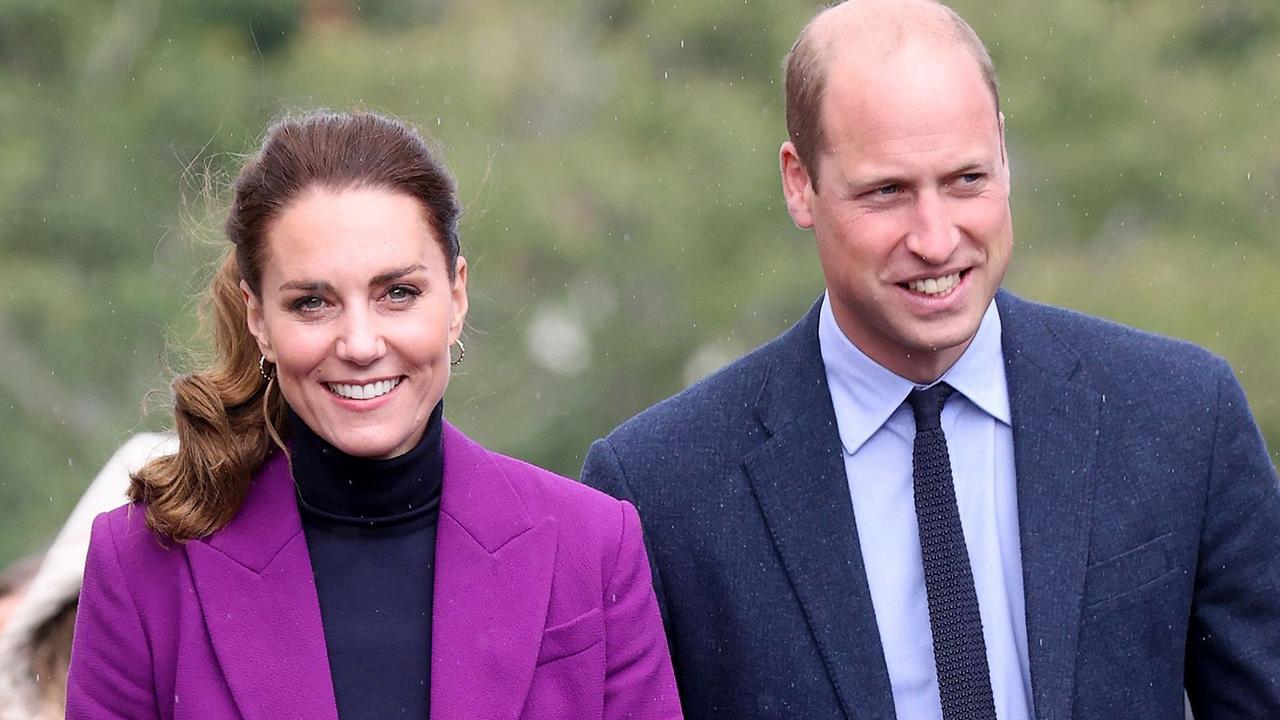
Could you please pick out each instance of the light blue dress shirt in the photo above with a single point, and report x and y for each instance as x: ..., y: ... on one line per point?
x: 876, y: 432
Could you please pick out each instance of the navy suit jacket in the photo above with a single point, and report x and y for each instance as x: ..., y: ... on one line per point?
x: 1149, y: 511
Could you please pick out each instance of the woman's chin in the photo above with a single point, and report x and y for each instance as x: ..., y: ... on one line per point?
x: 373, y: 443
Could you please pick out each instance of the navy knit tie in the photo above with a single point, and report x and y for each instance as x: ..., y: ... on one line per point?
x: 964, y: 682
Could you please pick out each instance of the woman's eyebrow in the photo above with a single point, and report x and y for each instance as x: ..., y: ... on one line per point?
x: 312, y: 286
x: 320, y: 286
x: 390, y: 275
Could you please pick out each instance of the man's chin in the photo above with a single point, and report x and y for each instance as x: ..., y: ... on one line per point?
x: 927, y: 355
x: 943, y: 335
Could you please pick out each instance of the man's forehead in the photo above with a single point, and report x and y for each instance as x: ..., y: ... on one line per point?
x: 930, y: 74
x: 871, y: 35
x: 924, y: 102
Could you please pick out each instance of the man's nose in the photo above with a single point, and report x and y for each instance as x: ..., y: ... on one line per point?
x: 360, y: 340
x: 934, y: 236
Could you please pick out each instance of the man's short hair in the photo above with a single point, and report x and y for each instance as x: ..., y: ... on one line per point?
x: 805, y: 68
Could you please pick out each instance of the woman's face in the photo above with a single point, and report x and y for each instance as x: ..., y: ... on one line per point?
x: 357, y: 313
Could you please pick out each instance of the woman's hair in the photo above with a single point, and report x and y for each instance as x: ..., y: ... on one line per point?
x: 227, y: 415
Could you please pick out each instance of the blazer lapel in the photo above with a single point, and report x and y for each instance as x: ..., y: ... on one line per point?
x: 494, y: 565
x: 258, y: 596
x: 1055, y: 426
x: 798, y: 478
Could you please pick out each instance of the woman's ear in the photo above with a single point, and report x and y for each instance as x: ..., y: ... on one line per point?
x: 459, y: 292
x: 257, y: 326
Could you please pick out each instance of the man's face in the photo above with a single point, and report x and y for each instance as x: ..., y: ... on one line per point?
x: 911, y: 213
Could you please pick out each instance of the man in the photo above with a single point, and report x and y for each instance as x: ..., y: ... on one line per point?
x: 930, y: 498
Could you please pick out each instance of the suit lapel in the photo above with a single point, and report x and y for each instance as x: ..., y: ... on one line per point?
x: 1055, y: 426
x: 494, y: 565
x: 258, y: 597
x: 798, y: 478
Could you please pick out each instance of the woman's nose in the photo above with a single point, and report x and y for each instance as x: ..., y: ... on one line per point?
x: 360, y: 341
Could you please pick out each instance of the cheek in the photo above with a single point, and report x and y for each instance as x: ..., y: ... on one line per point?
x: 988, y: 212
x: 299, y: 349
x: 427, y: 350
x: 422, y: 343
x: 989, y: 222
x: 866, y: 239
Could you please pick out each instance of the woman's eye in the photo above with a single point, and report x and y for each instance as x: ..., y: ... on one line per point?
x: 402, y: 293
x: 307, y: 304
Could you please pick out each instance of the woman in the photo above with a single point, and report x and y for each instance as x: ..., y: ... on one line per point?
x: 329, y: 546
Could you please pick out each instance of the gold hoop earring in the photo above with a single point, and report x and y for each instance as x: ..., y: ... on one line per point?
x: 462, y: 352
x: 262, y: 368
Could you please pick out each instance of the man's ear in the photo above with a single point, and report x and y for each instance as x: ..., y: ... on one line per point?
x: 459, y: 293
x: 1004, y: 149
x: 797, y: 188
x: 257, y: 326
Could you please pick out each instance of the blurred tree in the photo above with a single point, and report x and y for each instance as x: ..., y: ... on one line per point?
x: 618, y: 162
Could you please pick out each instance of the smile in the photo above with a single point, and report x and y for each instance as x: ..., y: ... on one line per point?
x: 935, y: 286
x: 367, y: 391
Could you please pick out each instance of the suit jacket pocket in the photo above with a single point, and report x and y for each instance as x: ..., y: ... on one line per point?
x: 1127, y: 572
x: 572, y: 637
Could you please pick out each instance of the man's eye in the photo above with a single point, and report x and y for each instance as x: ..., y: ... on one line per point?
x: 971, y: 178
x: 892, y: 189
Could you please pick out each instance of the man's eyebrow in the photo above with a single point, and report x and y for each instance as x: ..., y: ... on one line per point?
x: 870, y: 182
x: 392, y: 275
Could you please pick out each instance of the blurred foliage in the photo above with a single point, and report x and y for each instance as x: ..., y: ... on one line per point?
x: 625, y: 229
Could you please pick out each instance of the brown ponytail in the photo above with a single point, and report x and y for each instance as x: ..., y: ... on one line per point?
x: 227, y: 416
x: 224, y: 417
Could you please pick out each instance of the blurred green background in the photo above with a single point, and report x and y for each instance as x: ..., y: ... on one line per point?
x: 624, y: 223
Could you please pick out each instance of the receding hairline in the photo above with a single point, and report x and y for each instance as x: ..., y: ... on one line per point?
x: 871, y: 16
x: 887, y: 25
x: 871, y: 26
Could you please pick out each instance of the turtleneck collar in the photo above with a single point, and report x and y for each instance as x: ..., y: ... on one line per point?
x: 345, y: 489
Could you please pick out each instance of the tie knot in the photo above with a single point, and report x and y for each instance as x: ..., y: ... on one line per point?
x: 927, y: 405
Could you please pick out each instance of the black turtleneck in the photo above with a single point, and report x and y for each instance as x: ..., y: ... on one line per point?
x: 371, y: 533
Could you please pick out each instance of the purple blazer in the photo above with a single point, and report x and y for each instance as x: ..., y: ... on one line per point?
x: 544, y: 608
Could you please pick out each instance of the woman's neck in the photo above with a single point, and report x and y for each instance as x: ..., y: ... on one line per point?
x: 345, y: 488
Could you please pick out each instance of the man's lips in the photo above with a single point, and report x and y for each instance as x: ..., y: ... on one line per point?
x: 935, y: 285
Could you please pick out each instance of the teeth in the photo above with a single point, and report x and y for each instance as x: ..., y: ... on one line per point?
x: 363, y: 392
x: 935, y: 286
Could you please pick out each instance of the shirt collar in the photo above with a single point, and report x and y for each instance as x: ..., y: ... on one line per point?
x: 979, y: 373
x: 865, y: 394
